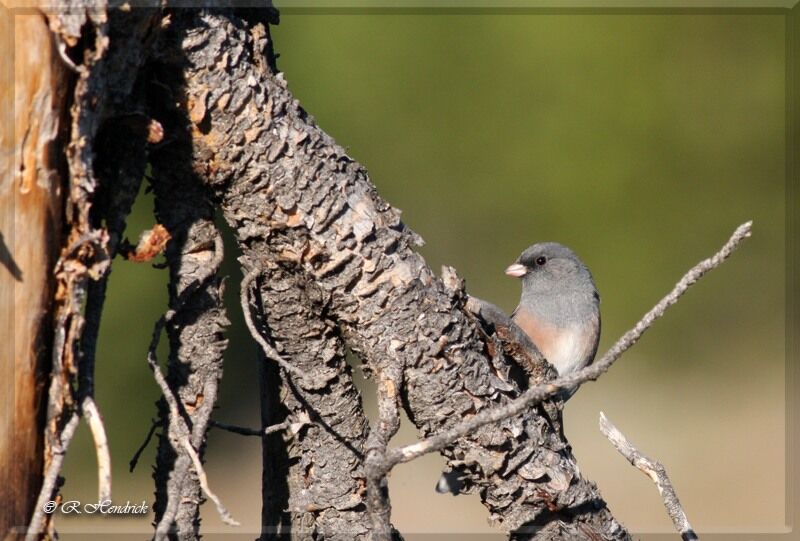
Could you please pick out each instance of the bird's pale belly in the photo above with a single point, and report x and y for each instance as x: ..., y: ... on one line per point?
x: 566, y: 348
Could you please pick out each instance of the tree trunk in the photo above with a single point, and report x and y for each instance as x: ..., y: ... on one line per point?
x: 300, y: 206
x: 33, y: 104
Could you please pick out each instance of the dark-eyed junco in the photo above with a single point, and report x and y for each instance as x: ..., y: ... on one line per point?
x: 559, y: 310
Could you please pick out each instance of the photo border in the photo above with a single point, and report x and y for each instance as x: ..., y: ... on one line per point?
x: 790, y: 9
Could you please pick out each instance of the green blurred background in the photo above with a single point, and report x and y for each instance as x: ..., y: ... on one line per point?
x: 640, y: 140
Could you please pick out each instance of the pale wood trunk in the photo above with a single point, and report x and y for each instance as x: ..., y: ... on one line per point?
x: 32, y: 102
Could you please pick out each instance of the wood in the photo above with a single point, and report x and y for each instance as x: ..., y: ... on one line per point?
x: 32, y: 95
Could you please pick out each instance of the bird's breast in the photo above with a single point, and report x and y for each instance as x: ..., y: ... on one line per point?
x: 567, y: 347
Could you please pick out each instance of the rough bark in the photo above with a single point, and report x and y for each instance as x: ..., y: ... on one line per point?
x: 325, y: 483
x: 105, y: 145
x: 297, y: 202
x: 195, y: 323
x: 315, y: 468
x: 334, y: 267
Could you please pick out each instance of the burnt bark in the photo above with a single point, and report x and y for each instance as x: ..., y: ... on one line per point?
x: 103, y: 175
x: 195, y: 324
x: 297, y: 202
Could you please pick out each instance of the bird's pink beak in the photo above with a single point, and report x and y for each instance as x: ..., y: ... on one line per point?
x: 517, y: 270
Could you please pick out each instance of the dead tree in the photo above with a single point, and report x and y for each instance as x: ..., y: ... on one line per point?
x: 328, y: 266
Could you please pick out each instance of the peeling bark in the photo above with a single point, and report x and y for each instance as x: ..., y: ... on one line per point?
x: 80, y: 34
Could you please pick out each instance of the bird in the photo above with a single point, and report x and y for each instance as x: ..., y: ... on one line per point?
x: 559, y: 310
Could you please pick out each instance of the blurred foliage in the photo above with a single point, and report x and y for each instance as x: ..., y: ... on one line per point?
x: 639, y: 140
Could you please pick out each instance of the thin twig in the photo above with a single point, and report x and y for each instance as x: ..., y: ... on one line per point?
x: 96, y: 294
x: 244, y: 431
x: 655, y: 471
x: 168, y: 517
x: 152, y: 361
x: 107, y: 243
x: 541, y: 392
x: 175, y: 416
x: 88, y: 410
x: 51, y: 479
x: 201, y: 475
x: 241, y: 430
x: 135, y: 460
x: 309, y: 380
x: 92, y: 416
x: 95, y: 422
x: 277, y: 427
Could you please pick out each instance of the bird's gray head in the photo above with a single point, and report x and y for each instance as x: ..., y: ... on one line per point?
x: 550, y: 268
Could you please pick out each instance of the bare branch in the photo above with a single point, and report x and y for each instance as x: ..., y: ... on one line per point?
x: 541, y: 392
x: 153, y: 362
x: 89, y: 409
x: 135, y: 460
x: 168, y: 517
x: 245, y: 431
x: 226, y: 517
x: 655, y: 471
x: 124, y: 162
x: 50, y: 479
x: 92, y: 416
x: 95, y: 422
x: 310, y: 216
x: 175, y: 417
x: 196, y: 324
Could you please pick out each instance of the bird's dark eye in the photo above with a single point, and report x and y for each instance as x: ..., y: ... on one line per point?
x: 541, y: 260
